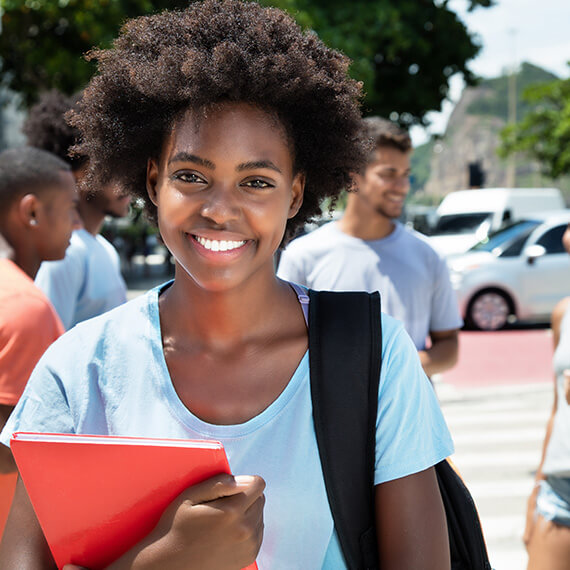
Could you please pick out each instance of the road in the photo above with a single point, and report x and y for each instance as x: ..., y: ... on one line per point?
x: 496, y: 402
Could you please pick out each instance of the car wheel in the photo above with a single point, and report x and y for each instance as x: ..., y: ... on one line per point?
x: 488, y: 311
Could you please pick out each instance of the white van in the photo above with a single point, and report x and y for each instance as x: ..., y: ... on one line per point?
x: 465, y: 217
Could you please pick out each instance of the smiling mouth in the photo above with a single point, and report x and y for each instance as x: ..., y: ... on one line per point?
x: 219, y: 245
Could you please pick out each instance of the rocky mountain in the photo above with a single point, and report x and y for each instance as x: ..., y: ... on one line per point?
x: 472, y: 137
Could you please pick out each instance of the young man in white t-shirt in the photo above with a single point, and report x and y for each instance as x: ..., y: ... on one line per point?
x: 368, y: 249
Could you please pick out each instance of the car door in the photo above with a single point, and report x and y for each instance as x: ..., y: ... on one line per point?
x: 544, y: 279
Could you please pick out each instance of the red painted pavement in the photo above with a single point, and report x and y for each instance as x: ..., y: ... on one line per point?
x: 503, y: 357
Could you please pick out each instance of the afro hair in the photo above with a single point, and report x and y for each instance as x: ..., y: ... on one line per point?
x: 217, y: 51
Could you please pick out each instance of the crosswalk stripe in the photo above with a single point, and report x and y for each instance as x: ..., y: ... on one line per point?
x: 498, y: 436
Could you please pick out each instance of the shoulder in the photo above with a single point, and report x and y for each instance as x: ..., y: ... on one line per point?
x: 26, y: 311
x: 417, y: 240
x: 316, y: 239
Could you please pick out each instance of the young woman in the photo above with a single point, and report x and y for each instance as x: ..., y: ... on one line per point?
x: 232, y: 125
x: 547, y: 533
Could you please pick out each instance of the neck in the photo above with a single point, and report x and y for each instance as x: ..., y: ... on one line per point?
x: 91, y: 217
x: 363, y: 222
x: 225, y: 319
x: 28, y: 263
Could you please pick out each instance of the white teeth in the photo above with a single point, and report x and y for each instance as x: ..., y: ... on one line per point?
x: 215, y: 245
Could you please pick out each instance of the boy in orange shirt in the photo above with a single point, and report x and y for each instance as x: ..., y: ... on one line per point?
x: 38, y: 209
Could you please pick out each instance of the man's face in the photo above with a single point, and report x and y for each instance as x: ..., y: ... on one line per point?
x: 385, y: 182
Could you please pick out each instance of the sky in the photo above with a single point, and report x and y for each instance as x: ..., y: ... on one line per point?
x: 512, y: 31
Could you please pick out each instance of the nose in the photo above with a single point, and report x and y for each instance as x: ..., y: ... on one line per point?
x: 221, y: 204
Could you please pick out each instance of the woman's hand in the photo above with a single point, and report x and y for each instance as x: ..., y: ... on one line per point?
x: 216, y: 524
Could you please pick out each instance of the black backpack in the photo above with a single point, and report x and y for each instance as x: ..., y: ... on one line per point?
x: 345, y: 342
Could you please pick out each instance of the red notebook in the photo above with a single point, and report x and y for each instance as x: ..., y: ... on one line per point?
x: 97, y: 496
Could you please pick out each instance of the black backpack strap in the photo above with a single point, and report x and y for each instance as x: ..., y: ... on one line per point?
x: 344, y: 391
x: 345, y: 344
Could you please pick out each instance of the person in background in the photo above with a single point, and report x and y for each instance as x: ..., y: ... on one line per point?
x: 369, y: 250
x: 38, y: 201
x: 547, y: 532
x: 88, y: 281
x: 232, y: 124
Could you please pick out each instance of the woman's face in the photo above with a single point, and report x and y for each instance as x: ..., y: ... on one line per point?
x: 224, y: 189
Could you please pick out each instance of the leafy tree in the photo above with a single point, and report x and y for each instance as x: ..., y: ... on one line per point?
x: 543, y: 134
x: 42, y: 41
x: 404, y: 51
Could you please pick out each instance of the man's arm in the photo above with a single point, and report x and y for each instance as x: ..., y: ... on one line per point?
x: 442, y: 355
x: 7, y: 464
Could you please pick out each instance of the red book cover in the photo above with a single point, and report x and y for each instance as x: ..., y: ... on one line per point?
x: 97, y: 496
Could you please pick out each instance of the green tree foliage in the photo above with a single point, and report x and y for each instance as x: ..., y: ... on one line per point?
x: 404, y: 51
x: 42, y: 41
x: 543, y: 134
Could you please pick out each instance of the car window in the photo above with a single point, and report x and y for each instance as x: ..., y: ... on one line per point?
x: 460, y: 223
x: 552, y: 240
x: 497, y: 242
x: 515, y: 247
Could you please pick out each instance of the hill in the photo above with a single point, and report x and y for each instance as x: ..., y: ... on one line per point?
x: 472, y: 136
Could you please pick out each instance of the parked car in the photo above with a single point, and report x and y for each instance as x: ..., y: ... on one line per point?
x: 515, y: 274
x: 465, y: 217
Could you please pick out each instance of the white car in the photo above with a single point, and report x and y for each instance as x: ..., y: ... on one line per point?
x: 518, y: 273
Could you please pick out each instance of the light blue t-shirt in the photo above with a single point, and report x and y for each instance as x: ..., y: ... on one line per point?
x: 87, y: 282
x: 410, y: 275
x: 109, y: 376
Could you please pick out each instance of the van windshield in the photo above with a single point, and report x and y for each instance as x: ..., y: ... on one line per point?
x: 510, y: 237
x: 460, y: 223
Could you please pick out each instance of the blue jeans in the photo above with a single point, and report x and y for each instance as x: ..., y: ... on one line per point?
x: 553, y: 500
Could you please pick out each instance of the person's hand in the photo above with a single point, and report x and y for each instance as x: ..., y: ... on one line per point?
x: 214, y: 525
x: 567, y: 385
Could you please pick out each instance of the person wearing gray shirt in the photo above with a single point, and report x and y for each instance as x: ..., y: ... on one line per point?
x: 369, y: 250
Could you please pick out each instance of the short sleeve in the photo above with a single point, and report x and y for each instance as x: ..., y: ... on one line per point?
x: 28, y: 326
x: 411, y: 433
x: 43, y: 405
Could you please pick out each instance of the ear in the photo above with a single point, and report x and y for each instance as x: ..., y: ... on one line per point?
x: 152, y: 180
x: 297, y: 193
x: 29, y: 210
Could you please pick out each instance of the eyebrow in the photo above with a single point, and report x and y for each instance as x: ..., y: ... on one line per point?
x: 183, y: 156
x: 189, y: 157
x: 258, y: 164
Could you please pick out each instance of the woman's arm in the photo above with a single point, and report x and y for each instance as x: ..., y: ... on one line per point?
x: 411, y: 524
x: 556, y: 320
x: 23, y: 544
x: 216, y: 524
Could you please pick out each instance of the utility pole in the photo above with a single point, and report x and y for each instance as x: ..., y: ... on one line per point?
x: 512, y: 113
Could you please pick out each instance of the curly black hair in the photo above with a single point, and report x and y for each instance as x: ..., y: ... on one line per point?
x: 45, y: 126
x: 212, y: 52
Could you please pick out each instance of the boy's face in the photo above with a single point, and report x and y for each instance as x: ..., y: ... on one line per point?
x: 57, y: 217
x: 385, y: 183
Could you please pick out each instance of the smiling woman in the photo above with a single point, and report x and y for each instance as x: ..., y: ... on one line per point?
x: 232, y: 125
